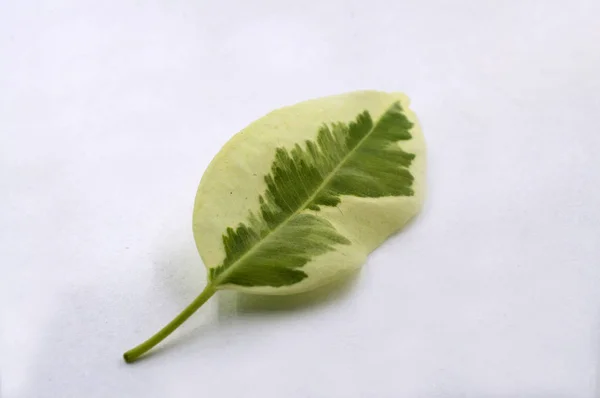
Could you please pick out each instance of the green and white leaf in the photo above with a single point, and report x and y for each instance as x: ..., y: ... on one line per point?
x: 304, y: 194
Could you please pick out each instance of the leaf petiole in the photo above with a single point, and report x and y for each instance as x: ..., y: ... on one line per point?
x: 133, y: 354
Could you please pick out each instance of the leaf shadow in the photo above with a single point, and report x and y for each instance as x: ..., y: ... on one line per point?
x: 233, y: 303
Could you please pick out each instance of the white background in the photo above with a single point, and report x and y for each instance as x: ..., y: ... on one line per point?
x: 111, y: 110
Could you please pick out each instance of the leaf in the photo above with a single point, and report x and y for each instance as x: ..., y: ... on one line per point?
x: 357, y: 159
x: 302, y: 195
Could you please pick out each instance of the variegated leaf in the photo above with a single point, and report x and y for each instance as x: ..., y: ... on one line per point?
x: 303, y: 195
x: 321, y: 183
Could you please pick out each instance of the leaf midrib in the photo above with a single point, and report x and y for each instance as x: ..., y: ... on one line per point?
x: 303, y: 206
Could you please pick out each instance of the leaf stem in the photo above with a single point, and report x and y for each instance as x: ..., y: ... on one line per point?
x: 133, y: 354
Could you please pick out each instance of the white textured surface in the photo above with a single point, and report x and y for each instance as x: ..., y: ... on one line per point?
x: 111, y: 110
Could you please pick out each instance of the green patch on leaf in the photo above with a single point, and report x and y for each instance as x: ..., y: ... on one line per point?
x: 359, y: 158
